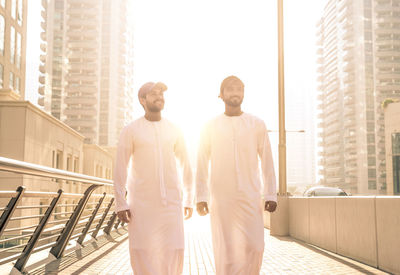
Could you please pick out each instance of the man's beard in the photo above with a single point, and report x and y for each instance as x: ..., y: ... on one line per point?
x: 154, y: 107
x: 233, y: 103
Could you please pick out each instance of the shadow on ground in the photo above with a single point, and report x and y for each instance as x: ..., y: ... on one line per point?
x: 338, y: 258
x: 66, y: 261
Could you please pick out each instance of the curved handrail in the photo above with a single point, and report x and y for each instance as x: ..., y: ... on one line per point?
x: 21, y: 167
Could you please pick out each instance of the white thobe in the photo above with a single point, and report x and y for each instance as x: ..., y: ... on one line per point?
x: 234, y: 146
x: 146, y: 170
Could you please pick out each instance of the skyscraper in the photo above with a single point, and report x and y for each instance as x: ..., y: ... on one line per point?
x: 13, y: 45
x: 358, y: 68
x: 86, y: 66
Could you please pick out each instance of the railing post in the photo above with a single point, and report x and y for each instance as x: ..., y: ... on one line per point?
x: 62, y: 241
x: 110, y: 223
x: 11, y: 206
x: 89, y: 223
x: 95, y: 232
x: 26, y: 253
x: 117, y: 223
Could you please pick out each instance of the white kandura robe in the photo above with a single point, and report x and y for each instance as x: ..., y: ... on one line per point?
x: 154, y: 194
x: 234, y: 146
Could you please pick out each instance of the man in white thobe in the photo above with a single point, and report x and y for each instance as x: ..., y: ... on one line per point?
x: 234, y: 142
x: 146, y: 170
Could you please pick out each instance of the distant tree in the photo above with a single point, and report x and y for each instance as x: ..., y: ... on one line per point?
x: 387, y: 101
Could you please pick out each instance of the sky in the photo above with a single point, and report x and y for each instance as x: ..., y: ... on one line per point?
x: 192, y: 46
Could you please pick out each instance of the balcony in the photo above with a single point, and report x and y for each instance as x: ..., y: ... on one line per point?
x: 83, y: 66
x: 80, y: 88
x: 92, y: 33
x: 80, y: 100
x: 84, y: 44
x: 43, y: 36
x: 42, y: 79
x: 349, y: 78
x: 84, y: 54
x: 81, y: 122
x: 82, y: 77
x: 82, y: 22
x: 41, y: 101
x: 387, y: 87
x: 41, y: 90
x: 80, y: 111
x: 349, y: 123
x: 43, y: 25
x: 43, y: 47
x: 42, y: 69
x: 349, y: 100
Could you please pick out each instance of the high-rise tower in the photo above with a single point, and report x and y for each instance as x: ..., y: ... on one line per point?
x: 86, y: 71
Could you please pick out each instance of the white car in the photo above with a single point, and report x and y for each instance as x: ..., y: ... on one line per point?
x: 316, y: 191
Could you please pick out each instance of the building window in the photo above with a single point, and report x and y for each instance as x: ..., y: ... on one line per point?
x: 370, y: 127
x: 57, y: 159
x: 11, y: 84
x: 372, y: 185
x: 371, y: 138
x: 59, y: 4
x: 371, y: 173
x: 17, y: 84
x: 371, y: 161
x: 69, y: 163
x: 1, y: 75
x: 13, y: 8
x: 371, y: 149
x: 76, y: 165
x: 20, y: 11
x: 2, y: 25
x: 12, y: 45
x: 18, y: 50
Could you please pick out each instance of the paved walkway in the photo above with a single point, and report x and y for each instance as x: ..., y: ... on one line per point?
x: 281, y: 256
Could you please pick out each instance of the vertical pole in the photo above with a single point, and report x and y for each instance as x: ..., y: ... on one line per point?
x: 94, y: 234
x: 110, y: 223
x: 117, y: 223
x: 91, y: 219
x: 58, y: 249
x: 26, y: 253
x: 281, y: 87
x: 9, y: 211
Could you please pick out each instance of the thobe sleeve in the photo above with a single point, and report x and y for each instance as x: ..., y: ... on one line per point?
x: 124, y: 152
x: 267, y: 165
x: 182, y: 155
x: 203, y: 159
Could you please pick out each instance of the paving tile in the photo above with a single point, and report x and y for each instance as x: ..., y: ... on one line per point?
x: 282, y: 255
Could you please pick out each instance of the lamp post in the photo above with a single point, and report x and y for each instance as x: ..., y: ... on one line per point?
x: 281, y: 99
x: 278, y: 222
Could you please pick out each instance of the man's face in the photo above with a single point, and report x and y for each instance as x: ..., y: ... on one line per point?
x: 154, y: 100
x: 233, y: 94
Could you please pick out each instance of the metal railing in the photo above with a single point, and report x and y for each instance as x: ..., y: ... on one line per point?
x: 27, y: 225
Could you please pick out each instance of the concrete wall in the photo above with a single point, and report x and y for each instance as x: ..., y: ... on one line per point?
x: 299, y: 218
x: 362, y: 228
x: 99, y: 163
x: 388, y: 231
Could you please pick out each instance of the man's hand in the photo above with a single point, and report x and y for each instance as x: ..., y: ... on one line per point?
x: 188, y: 212
x: 124, y: 216
x: 202, y: 208
x: 270, y: 206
